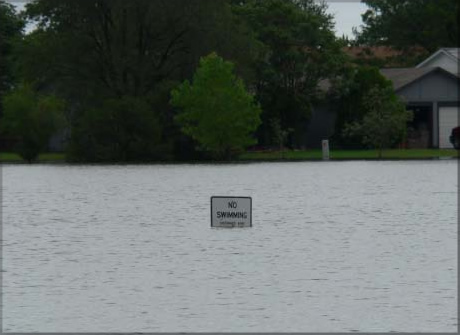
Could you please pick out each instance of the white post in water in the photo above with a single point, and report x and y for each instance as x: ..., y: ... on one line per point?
x: 325, y: 150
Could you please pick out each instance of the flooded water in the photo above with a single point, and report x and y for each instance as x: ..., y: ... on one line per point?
x: 334, y: 247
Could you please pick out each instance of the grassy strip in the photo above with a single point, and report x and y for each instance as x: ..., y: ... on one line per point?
x: 351, y: 154
x: 9, y: 157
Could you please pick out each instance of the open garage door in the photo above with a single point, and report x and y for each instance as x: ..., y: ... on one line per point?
x: 448, y: 119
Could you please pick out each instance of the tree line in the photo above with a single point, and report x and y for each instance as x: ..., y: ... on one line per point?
x: 147, y: 80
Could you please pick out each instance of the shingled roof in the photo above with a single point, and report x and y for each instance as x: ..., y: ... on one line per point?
x: 404, y: 76
x: 389, y: 55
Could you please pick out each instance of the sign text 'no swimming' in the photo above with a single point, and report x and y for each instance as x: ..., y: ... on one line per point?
x: 231, y: 212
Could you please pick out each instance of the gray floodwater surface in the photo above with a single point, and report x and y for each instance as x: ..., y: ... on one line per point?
x: 334, y: 247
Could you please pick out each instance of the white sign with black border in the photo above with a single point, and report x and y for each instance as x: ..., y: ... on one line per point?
x: 229, y: 212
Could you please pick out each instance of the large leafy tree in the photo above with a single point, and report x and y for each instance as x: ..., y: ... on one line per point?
x: 92, y: 51
x: 216, y: 110
x: 298, y: 48
x: 116, y: 47
x: 111, y: 47
x: 11, y: 30
x: 119, y: 129
x: 429, y: 24
x: 32, y: 118
x: 350, y: 91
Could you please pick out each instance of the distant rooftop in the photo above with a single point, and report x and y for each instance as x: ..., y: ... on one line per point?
x: 453, y: 51
x: 380, y: 52
x: 404, y: 76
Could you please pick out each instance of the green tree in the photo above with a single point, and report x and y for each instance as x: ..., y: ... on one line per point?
x: 33, y: 118
x: 11, y: 29
x: 430, y: 24
x: 298, y: 49
x: 111, y: 48
x: 127, y: 47
x: 217, y: 112
x: 385, y: 122
x: 92, y: 51
x: 121, y: 129
x: 280, y: 135
x: 350, y: 91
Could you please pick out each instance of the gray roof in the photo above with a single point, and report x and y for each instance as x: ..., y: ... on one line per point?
x: 400, y: 77
x: 404, y: 76
x: 453, y: 51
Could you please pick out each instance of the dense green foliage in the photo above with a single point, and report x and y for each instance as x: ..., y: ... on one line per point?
x: 32, y: 118
x: 280, y: 135
x: 298, y: 48
x: 115, y: 48
x: 11, y: 27
x: 350, y: 91
x: 430, y: 24
x: 217, y: 112
x: 385, y: 122
x: 96, y: 53
x: 120, y: 129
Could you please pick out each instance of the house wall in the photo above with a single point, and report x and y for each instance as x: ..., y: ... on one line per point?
x: 448, y: 119
x: 444, y: 62
x: 437, y: 89
x: 435, y: 86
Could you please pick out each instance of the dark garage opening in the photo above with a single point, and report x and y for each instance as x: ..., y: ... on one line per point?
x: 419, y: 130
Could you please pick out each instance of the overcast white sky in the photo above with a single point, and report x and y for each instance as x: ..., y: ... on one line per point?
x: 347, y: 14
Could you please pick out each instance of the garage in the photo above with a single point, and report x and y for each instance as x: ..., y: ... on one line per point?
x: 448, y: 119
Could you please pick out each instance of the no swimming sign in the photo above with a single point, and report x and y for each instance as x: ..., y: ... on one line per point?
x: 231, y: 212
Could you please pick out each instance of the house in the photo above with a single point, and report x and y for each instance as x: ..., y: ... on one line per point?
x: 431, y: 90
x: 446, y: 58
x: 432, y: 93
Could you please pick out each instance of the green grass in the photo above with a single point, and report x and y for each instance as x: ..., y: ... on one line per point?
x: 9, y: 157
x: 351, y: 154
